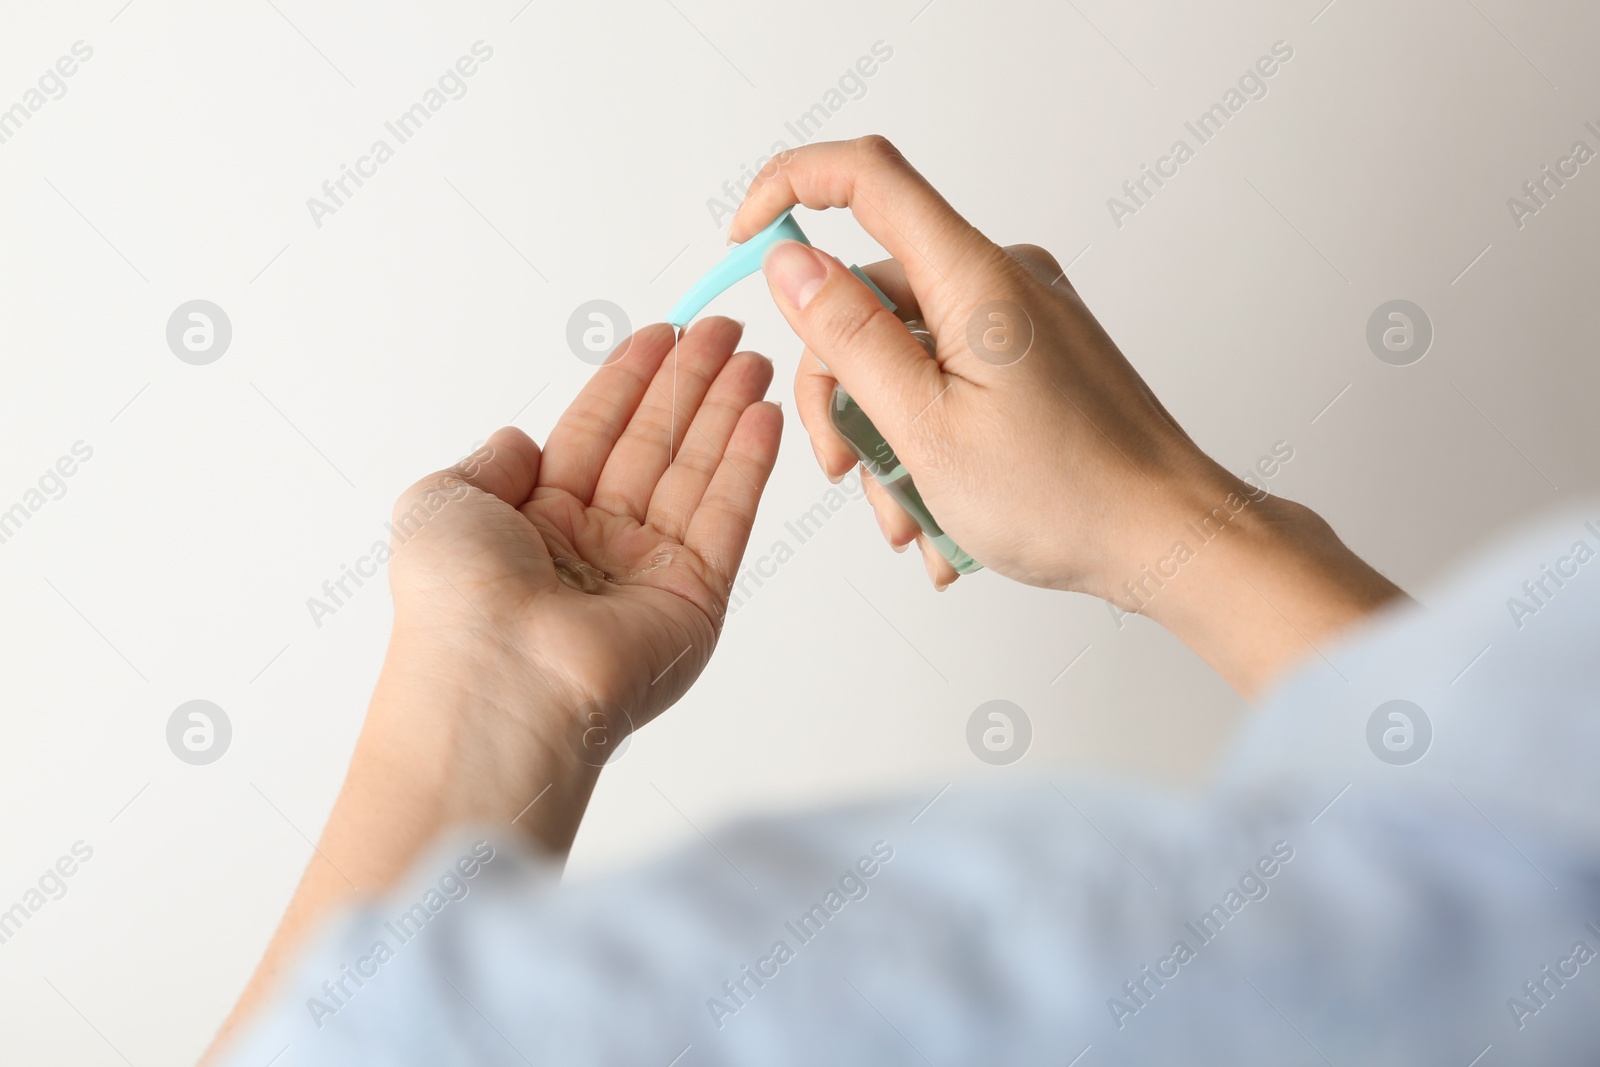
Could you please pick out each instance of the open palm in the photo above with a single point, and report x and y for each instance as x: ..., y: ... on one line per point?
x: 606, y: 558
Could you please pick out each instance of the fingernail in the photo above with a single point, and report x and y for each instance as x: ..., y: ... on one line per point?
x: 833, y: 478
x: 939, y: 588
x: 795, y: 271
x: 898, y: 548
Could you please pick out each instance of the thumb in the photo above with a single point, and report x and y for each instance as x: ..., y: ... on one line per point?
x: 860, y: 341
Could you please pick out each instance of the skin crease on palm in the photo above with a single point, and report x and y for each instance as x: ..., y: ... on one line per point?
x: 597, y: 569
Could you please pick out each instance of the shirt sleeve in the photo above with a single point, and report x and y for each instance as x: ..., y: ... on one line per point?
x: 1426, y: 890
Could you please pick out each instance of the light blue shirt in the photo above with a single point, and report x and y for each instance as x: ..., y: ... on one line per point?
x: 1364, y: 883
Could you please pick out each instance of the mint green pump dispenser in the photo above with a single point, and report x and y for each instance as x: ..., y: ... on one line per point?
x: 852, y: 423
x: 741, y: 261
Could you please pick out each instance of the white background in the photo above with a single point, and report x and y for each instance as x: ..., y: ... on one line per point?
x: 432, y: 308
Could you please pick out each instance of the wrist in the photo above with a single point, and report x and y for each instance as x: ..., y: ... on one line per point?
x: 458, y: 732
x: 464, y: 728
x: 1251, y: 582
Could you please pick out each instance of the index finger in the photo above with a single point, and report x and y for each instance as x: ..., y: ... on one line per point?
x: 895, y: 204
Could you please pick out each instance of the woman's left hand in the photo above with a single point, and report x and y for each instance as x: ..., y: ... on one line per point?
x: 604, y: 561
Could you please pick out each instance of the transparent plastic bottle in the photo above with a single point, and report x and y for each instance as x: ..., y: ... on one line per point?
x: 881, y: 463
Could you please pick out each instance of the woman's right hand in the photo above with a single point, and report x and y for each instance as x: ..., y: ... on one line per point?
x: 1030, y: 437
x: 1035, y: 444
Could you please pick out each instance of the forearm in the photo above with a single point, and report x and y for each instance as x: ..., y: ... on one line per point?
x: 452, y: 736
x: 1252, y: 583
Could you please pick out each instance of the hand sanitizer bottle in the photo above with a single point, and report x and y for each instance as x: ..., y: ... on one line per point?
x: 869, y: 445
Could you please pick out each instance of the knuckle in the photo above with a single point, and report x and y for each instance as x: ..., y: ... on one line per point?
x: 701, y: 464
x: 844, y: 325
x: 813, y: 374
x: 587, y: 421
x: 1033, y: 256
x: 878, y: 164
x: 651, y: 423
x: 930, y: 443
x: 721, y: 412
x: 877, y: 148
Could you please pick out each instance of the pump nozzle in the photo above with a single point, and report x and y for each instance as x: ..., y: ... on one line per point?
x: 741, y: 261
